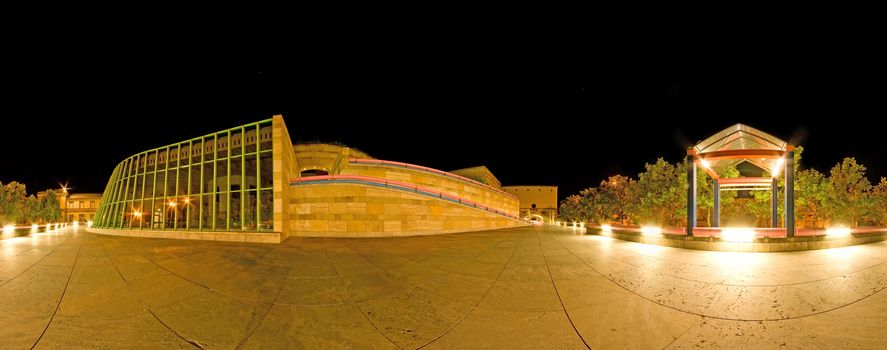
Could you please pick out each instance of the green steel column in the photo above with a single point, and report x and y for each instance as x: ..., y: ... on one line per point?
x: 144, y: 182
x: 132, y: 197
x: 215, y: 214
x: 242, y: 175
x: 790, y: 194
x: 165, y: 192
x: 175, y: 212
x: 200, y: 200
x: 125, y: 191
x: 691, y: 194
x: 228, y: 190
x: 188, y: 204
x: 258, y: 176
x: 154, y: 186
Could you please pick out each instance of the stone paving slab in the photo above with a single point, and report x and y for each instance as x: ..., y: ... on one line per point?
x: 534, y: 288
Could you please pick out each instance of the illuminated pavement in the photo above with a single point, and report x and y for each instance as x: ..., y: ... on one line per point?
x: 520, y: 288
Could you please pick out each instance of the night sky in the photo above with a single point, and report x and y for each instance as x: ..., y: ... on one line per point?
x: 539, y: 93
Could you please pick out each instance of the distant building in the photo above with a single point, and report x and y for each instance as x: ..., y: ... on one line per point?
x: 535, y: 201
x: 80, y: 207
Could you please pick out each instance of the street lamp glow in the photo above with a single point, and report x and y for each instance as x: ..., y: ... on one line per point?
x: 8, y: 229
x: 172, y: 204
x: 606, y: 228
x: 34, y: 227
x: 137, y: 213
x: 738, y: 234
x: 651, y: 230
x: 838, y: 231
x: 187, y: 200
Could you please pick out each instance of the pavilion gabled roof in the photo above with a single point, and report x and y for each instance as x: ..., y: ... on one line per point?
x: 740, y: 143
x: 740, y: 136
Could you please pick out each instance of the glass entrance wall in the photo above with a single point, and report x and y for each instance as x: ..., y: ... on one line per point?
x: 217, y: 182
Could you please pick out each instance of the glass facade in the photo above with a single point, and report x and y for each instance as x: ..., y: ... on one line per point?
x: 218, y: 182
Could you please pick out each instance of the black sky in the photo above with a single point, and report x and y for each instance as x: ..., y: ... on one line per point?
x: 539, y: 92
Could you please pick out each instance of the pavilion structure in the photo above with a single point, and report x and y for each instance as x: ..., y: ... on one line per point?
x: 732, y: 146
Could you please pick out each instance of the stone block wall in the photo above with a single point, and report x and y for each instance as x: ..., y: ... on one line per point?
x: 354, y: 210
x: 477, y: 193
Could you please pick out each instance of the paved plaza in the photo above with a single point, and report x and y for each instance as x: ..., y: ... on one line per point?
x: 535, y: 288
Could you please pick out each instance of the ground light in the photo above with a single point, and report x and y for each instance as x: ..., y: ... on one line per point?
x: 606, y: 228
x: 89, y: 223
x: 837, y: 231
x: 738, y: 234
x: 651, y: 230
x: 8, y: 229
x: 34, y: 227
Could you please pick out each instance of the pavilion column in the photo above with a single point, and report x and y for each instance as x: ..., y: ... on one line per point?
x: 716, y: 211
x: 774, y: 205
x: 691, y: 194
x: 790, y: 194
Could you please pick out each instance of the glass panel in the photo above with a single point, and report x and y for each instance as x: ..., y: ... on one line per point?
x: 265, y: 137
x: 235, y: 210
x: 170, y: 184
x: 221, y: 210
x: 267, y: 210
x: 180, y: 218
x: 251, y: 139
x: 235, y: 173
x: 127, y: 217
x: 221, y: 175
x: 184, y: 155
x: 170, y: 215
x: 183, y: 183
x: 208, y: 148
x: 249, y: 211
x: 138, y: 187
x: 194, y: 213
x: 161, y: 159
x: 149, y: 185
x: 195, y: 179
x: 146, y: 214
x: 267, y: 170
x: 207, y: 212
x: 250, y: 181
x: 222, y: 145
x: 157, y: 215
x: 196, y: 151
x: 236, y: 144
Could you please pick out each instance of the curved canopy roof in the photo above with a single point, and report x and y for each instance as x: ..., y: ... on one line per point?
x: 740, y: 136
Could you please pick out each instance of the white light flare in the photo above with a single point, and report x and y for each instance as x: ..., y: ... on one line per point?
x: 738, y: 234
x: 837, y: 231
x: 651, y: 230
x: 606, y: 228
x: 778, y: 166
x: 8, y: 229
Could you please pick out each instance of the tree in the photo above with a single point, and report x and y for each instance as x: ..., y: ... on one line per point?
x: 614, y: 197
x: 12, y: 202
x: 569, y: 208
x: 810, y: 196
x: 847, y: 187
x: 50, y: 208
x: 878, y: 200
x: 662, y: 194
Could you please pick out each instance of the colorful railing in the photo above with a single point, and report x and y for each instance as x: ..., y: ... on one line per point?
x: 389, y: 163
x: 760, y: 232
x: 395, y: 185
